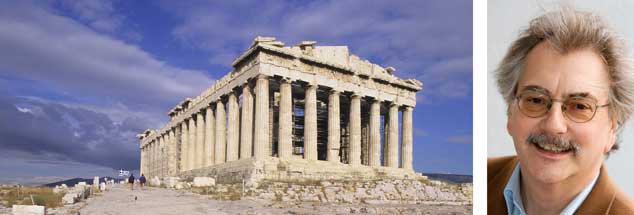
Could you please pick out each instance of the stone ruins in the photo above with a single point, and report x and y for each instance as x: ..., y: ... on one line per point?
x: 295, y: 113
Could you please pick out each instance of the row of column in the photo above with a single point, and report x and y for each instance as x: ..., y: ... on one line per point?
x: 158, y: 157
x: 214, y: 136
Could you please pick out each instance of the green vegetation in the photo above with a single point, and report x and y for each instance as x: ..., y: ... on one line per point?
x: 43, y: 196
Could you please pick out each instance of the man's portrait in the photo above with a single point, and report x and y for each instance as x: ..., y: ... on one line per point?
x: 564, y: 85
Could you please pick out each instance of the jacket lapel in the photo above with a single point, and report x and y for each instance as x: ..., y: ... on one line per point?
x: 600, y: 199
x: 496, y: 203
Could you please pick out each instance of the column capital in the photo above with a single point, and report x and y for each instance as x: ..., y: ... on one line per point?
x: 262, y: 76
x: 311, y: 85
x: 355, y: 95
x: 286, y: 80
x: 335, y: 91
x: 377, y: 99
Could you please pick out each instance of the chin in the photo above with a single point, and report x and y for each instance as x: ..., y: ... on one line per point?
x: 547, y: 172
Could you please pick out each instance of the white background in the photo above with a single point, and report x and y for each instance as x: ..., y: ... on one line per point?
x: 505, y: 19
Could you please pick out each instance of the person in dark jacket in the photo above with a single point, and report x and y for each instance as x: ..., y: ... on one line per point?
x: 142, y: 181
x: 131, y: 181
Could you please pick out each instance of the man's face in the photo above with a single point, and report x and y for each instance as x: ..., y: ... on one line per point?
x: 578, y: 73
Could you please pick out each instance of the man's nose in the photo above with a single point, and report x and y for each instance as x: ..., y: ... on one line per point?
x: 555, y: 121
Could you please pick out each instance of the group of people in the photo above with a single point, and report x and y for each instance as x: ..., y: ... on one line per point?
x: 141, y: 181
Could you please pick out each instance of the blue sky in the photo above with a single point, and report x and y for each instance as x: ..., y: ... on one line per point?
x: 79, y: 79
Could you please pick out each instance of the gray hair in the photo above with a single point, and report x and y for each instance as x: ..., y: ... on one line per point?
x: 568, y: 30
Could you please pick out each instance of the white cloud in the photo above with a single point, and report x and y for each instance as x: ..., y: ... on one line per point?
x: 419, y: 132
x: 39, y: 45
x: 461, y: 139
x: 99, y: 14
x: 24, y: 110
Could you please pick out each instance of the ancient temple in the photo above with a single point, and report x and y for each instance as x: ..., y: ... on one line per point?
x: 290, y: 113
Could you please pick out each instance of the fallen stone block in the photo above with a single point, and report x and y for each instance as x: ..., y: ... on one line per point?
x: 179, y: 185
x: 204, y: 182
x: 170, y: 182
x: 102, y: 186
x: 69, y: 198
x: 28, y: 210
x: 156, y: 181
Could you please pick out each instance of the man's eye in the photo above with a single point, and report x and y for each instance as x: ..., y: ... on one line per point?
x: 581, y: 106
x: 536, y: 100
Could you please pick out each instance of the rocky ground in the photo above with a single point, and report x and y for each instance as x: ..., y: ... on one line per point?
x: 121, y: 200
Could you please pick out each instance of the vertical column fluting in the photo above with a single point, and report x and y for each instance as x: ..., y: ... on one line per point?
x: 209, y: 137
x: 334, y: 127
x: 221, y: 133
x: 246, y: 124
x: 285, y: 125
x: 233, y: 131
x: 261, y: 130
x: 154, y: 160
x: 392, y: 137
x: 375, y: 133
x: 141, y: 167
x: 200, y: 140
x: 159, y: 157
x: 407, y: 141
x: 150, y: 163
x: 310, y: 123
x: 184, y: 144
x: 191, y: 152
x: 171, y: 155
x: 355, y: 130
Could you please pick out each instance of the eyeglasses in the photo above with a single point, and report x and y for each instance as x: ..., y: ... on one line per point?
x: 577, y: 109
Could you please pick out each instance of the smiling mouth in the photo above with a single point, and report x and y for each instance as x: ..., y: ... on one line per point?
x: 550, y: 144
x: 553, y: 148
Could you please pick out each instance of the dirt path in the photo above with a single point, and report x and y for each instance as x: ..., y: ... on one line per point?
x: 121, y: 200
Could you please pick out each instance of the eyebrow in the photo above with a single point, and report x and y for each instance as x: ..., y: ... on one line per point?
x: 545, y: 91
x: 536, y: 88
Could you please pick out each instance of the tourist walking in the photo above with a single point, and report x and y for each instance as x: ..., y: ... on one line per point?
x: 131, y: 181
x: 142, y: 181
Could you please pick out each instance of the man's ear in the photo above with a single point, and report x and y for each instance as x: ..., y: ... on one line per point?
x: 612, y: 140
x: 508, y: 119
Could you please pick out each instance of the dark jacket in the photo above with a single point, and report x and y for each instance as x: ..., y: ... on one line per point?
x: 131, y: 179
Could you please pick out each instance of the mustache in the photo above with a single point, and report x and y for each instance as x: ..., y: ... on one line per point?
x: 558, y: 141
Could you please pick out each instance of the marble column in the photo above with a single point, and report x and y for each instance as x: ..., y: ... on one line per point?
x: 310, y: 123
x: 141, y: 167
x: 334, y: 127
x: 161, y: 144
x: 221, y: 132
x: 233, y: 130
x: 209, y: 137
x: 246, y: 130
x: 171, y: 155
x: 261, y: 130
x: 150, y: 156
x: 184, y: 145
x: 406, y: 141
x: 285, y: 125
x: 154, y: 157
x: 191, y: 152
x: 392, y: 137
x: 355, y: 131
x: 200, y: 140
x: 375, y: 133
